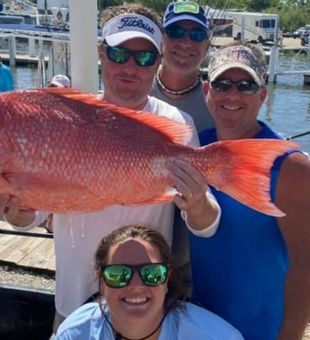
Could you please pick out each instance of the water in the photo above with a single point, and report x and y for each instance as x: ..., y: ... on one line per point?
x: 287, y: 109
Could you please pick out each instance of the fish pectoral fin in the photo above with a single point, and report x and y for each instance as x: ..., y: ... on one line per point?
x: 20, y: 181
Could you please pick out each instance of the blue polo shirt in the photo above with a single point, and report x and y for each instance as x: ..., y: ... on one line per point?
x: 240, y: 272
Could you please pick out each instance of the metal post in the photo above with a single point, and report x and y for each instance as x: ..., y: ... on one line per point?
x: 32, y: 47
x: 242, y: 28
x: 276, y: 31
x: 83, y: 45
x: 12, y: 50
x: 272, y: 64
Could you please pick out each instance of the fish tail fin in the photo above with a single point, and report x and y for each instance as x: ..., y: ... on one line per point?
x: 244, y: 171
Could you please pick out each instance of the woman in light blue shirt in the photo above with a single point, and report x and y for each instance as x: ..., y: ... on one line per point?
x: 141, y: 295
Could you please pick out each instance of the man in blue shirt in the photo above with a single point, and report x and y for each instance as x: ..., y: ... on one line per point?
x: 255, y: 271
x: 6, y: 78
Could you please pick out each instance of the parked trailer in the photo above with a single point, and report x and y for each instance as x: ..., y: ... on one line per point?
x: 255, y: 27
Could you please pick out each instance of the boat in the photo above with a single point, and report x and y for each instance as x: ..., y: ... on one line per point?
x: 19, y: 7
x: 18, y: 11
x: 25, y: 313
x: 11, y: 19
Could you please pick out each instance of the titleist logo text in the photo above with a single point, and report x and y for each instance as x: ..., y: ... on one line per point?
x: 133, y: 21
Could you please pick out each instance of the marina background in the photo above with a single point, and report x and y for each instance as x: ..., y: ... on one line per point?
x: 287, y: 110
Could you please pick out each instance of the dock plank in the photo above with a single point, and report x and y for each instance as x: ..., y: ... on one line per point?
x: 42, y: 257
x: 25, y: 251
x: 5, y: 241
x: 18, y: 248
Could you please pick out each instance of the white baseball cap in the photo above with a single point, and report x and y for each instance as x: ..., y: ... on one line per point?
x: 129, y: 26
x: 60, y: 80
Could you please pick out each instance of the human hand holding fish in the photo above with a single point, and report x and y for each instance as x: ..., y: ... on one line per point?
x: 64, y: 151
x: 191, y: 196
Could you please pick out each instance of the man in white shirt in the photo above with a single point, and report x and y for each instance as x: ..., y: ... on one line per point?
x: 130, y: 56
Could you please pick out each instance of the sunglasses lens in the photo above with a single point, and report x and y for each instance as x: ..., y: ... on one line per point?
x: 117, y: 54
x: 247, y: 87
x: 117, y: 276
x: 221, y: 85
x: 145, y: 58
x: 121, y: 55
x: 175, y: 32
x: 198, y: 35
x: 154, y: 274
x: 178, y: 32
x: 244, y: 86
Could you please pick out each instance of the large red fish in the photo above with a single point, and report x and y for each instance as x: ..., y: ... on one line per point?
x: 64, y: 151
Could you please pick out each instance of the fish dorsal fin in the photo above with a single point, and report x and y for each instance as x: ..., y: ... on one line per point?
x: 173, y: 131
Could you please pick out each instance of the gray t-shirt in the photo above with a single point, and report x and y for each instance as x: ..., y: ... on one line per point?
x: 193, y: 103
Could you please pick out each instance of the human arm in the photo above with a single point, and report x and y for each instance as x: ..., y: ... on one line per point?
x: 293, y: 197
x: 200, y: 208
x: 13, y: 214
x: 19, y: 219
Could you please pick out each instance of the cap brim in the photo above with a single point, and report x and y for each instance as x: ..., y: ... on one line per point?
x: 56, y: 83
x: 223, y: 68
x: 185, y: 17
x: 119, y: 38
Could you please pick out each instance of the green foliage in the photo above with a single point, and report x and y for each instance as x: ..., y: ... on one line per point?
x: 259, y: 6
x: 294, y: 17
x: 158, y: 5
x: 107, y: 3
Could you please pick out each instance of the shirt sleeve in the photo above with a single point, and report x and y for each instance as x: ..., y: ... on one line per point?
x: 40, y: 218
x: 211, y: 229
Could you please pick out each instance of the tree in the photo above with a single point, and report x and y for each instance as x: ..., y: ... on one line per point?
x: 107, y: 3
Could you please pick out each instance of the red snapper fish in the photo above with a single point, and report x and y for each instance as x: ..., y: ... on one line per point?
x: 64, y: 151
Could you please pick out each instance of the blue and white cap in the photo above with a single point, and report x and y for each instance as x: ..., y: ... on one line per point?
x: 185, y: 10
x: 129, y: 26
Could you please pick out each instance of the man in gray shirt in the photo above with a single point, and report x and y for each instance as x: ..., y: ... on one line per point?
x: 185, y: 44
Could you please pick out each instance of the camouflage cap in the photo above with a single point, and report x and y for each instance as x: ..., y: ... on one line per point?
x: 238, y: 56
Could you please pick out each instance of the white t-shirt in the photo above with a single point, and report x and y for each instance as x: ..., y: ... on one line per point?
x: 76, y: 236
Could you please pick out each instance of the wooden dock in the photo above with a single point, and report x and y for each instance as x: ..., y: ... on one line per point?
x: 26, y: 251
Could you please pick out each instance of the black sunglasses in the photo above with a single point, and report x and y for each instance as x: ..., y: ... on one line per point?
x: 121, y: 55
x: 244, y: 86
x: 178, y: 32
x: 120, y: 275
